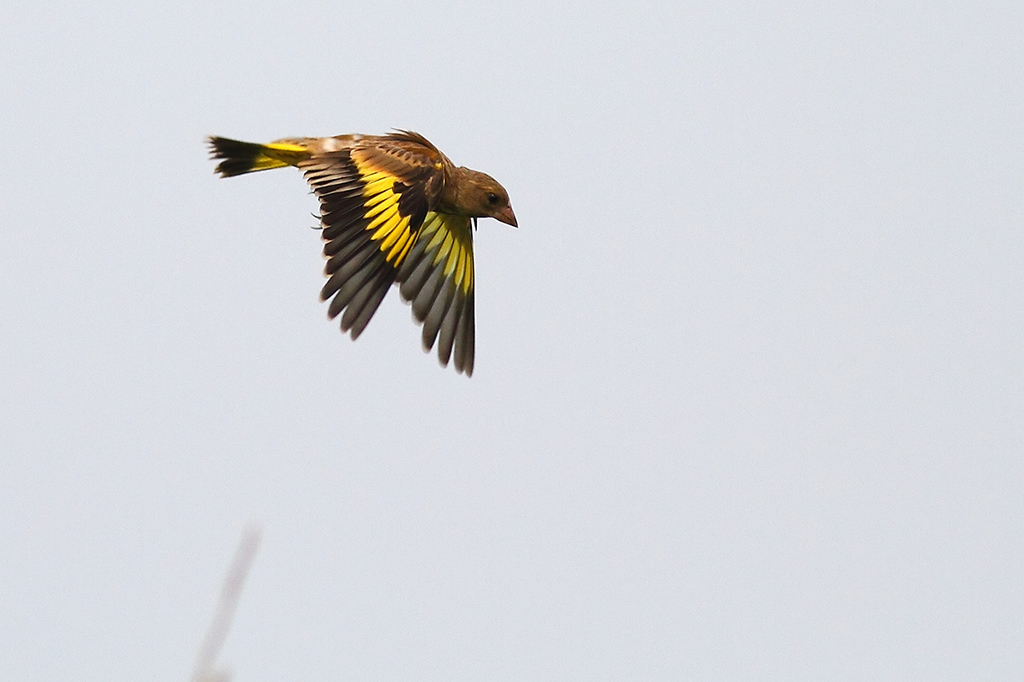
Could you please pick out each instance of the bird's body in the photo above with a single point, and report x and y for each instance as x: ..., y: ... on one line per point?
x: 394, y: 210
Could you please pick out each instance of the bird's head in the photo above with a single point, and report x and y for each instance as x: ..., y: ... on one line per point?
x: 480, y: 196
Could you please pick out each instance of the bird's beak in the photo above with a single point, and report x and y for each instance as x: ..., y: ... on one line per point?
x: 507, y: 216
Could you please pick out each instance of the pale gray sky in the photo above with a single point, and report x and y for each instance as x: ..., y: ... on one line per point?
x: 749, y: 389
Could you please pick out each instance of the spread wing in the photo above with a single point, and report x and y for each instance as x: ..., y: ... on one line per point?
x: 436, y: 276
x: 374, y: 197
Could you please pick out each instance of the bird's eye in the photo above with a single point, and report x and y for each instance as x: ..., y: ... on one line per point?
x: 492, y: 198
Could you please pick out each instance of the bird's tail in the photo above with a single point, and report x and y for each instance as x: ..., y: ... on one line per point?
x: 245, y: 157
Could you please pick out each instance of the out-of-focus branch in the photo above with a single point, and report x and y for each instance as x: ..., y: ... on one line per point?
x: 206, y: 662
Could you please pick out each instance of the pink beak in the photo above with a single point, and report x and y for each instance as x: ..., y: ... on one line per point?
x: 507, y: 216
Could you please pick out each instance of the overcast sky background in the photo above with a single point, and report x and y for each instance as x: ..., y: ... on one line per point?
x: 749, y: 388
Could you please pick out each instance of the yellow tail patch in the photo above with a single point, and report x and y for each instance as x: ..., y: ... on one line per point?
x: 247, y: 157
x: 278, y: 154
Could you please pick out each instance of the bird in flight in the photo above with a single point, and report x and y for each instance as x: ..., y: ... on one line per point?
x: 393, y: 210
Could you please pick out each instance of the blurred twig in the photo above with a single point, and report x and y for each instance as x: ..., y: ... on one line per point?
x: 206, y: 662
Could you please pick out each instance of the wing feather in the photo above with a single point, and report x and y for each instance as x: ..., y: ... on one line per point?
x: 365, y: 303
x: 449, y: 325
x: 348, y: 288
x: 436, y: 277
x: 432, y: 323
x: 373, y: 198
x: 467, y: 338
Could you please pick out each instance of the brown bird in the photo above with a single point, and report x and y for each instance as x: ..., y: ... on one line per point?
x: 393, y: 210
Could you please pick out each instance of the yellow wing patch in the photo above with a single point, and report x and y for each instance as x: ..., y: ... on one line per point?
x: 390, y: 228
x: 450, y: 247
x: 437, y: 279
